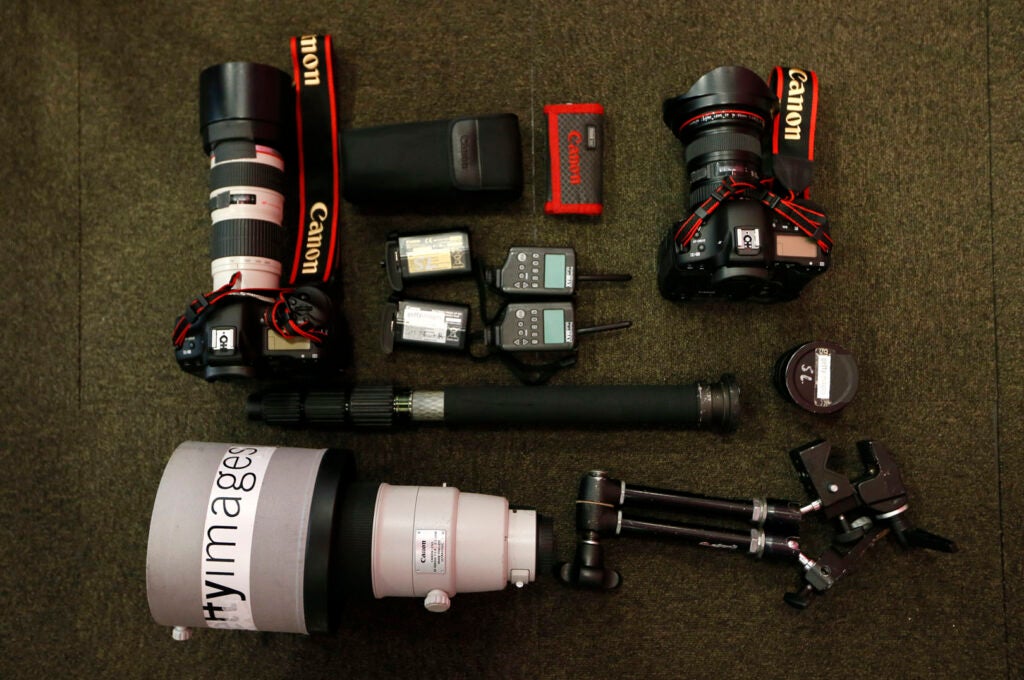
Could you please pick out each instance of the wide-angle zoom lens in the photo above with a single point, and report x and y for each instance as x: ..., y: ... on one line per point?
x: 721, y: 121
x: 724, y: 90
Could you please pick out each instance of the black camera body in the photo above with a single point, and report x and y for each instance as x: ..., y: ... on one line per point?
x: 742, y: 252
x: 237, y: 339
x: 752, y: 233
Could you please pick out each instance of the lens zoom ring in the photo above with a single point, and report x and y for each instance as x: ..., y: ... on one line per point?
x: 253, y: 238
x: 725, y: 141
x: 245, y: 174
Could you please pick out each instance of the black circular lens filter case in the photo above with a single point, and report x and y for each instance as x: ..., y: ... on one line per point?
x: 820, y: 377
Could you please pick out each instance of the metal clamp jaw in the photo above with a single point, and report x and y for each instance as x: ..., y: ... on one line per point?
x: 866, y: 510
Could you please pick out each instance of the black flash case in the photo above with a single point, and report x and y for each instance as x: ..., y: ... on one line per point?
x: 434, y: 161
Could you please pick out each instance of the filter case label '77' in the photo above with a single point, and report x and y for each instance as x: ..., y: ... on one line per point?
x: 227, y: 537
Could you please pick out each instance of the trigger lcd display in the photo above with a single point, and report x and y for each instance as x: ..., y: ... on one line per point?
x: 554, y: 326
x: 554, y: 271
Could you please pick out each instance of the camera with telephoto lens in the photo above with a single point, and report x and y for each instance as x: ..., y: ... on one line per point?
x: 752, y: 232
x: 250, y: 325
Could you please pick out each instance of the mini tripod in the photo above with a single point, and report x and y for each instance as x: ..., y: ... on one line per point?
x: 865, y: 510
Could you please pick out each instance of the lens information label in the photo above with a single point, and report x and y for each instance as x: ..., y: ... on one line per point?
x: 823, y: 383
x: 430, y: 551
x: 432, y: 323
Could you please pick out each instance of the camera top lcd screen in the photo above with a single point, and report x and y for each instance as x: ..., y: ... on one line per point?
x: 278, y: 343
x: 792, y: 245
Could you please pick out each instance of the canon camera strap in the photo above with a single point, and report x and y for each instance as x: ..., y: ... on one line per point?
x: 793, y: 130
x: 316, y: 121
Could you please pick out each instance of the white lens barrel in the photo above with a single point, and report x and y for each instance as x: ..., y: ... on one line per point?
x: 247, y: 211
x: 430, y: 539
x: 522, y: 547
x: 256, y: 272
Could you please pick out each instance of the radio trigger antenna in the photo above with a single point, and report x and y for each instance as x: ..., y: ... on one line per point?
x: 604, y: 327
x: 604, y: 277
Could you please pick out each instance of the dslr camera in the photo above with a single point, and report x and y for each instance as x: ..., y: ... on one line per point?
x: 253, y: 324
x: 752, y: 232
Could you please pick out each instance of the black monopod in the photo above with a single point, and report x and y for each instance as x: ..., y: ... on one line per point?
x: 700, y: 405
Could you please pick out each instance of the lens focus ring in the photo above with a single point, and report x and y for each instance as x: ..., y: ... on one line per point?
x: 721, y: 142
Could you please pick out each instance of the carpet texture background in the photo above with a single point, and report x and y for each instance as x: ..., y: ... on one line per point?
x: 918, y: 163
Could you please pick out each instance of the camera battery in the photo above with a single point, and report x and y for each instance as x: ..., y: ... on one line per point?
x: 419, y: 323
x: 575, y: 147
x: 426, y: 256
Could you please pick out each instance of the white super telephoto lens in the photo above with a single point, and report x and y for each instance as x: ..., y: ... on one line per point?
x: 275, y: 538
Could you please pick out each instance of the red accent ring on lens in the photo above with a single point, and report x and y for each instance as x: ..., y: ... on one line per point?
x: 718, y: 111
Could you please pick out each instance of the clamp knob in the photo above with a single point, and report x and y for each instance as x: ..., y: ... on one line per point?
x: 437, y: 601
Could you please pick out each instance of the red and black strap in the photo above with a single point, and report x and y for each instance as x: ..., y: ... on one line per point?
x: 204, y: 303
x: 198, y: 306
x: 279, y: 316
x: 281, y: 319
x: 316, y: 120
x: 794, y: 127
x: 810, y: 220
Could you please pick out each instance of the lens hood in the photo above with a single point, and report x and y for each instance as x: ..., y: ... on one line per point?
x: 726, y: 87
x: 244, y: 100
